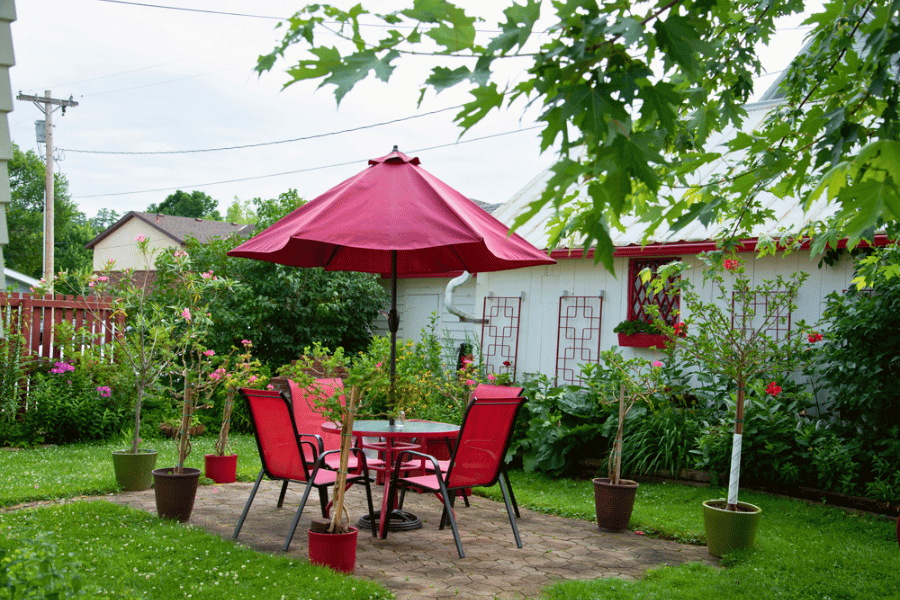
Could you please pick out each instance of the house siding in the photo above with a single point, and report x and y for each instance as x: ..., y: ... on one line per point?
x: 120, y: 246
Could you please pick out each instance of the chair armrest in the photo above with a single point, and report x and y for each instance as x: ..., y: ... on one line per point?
x: 403, y: 453
x: 320, y: 445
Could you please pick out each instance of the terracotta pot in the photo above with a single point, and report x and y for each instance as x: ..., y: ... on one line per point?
x: 175, y: 492
x: 728, y: 530
x: 134, y: 472
x: 614, y: 503
x: 334, y: 550
x: 221, y: 469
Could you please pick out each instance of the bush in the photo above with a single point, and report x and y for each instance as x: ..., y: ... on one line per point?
x: 859, y: 365
x: 31, y: 571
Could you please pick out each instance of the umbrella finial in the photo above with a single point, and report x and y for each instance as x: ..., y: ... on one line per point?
x: 396, y: 149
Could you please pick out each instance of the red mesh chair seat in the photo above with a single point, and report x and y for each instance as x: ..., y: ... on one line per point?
x: 477, y: 460
x: 481, y: 391
x: 285, y: 454
x: 309, y: 421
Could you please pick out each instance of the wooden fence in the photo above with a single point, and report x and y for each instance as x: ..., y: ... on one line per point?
x: 36, y: 317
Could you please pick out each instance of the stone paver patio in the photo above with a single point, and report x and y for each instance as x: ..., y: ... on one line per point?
x: 424, y: 563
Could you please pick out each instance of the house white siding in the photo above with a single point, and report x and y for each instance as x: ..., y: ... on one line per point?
x: 121, y: 247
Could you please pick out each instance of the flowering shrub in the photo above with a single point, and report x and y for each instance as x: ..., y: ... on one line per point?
x: 238, y: 373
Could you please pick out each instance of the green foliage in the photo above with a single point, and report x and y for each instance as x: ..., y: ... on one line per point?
x: 12, y: 373
x: 31, y: 570
x: 630, y: 135
x: 633, y: 327
x: 859, y: 365
x: 282, y: 309
x: 197, y: 204
x: 563, y: 426
x: 771, y: 452
x: 25, y: 218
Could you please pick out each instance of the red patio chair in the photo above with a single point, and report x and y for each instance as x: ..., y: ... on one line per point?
x: 486, y: 390
x: 308, y: 421
x: 284, y: 455
x: 477, y: 460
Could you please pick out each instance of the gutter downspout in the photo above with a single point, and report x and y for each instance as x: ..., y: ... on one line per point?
x: 451, y: 308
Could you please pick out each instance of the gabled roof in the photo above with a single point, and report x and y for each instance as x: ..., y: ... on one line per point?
x: 178, y: 229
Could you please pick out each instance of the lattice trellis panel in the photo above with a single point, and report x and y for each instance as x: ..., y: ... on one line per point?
x: 500, y: 334
x: 640, y: 296
x: 761, y: 307
x: 578, y: 336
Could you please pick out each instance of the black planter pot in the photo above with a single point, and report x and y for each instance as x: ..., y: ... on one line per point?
x: 614, y: 503
x: 175, y: 493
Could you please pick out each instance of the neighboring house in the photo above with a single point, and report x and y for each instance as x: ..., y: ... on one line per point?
x: 19, y: 282
x: 118, y: 243
x: 552, y: 319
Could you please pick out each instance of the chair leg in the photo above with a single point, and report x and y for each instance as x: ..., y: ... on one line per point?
x: 323, y: 500
x: 512, y: 495
x: 297, y: 516
x: 365, y: 481
x: 283, y: 491
x: 448, y: 509
x: 240, y: 524
x: 509, y: 511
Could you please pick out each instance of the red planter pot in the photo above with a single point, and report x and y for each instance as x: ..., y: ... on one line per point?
x: 334, y: 550
x: 642, y: 340
x: 221, y: 469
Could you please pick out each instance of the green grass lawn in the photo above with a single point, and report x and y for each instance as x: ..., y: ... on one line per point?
x: 803, y: 551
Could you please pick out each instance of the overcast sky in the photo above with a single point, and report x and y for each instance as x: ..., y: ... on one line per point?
x: 155, y: 79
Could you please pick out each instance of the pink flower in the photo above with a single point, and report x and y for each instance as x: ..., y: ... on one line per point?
x: 252, y: 379
x: 470, y: 382
x: 180, y: 254
x: 814, y: 337
x: 731, y: 264
x: 657, y: 363
x: 246, y: 342
x: 90, y: 284
x: 186, y: 313
x: 492, y: 377
x: 773, y: 389
x: 105, y: 391
x: 207, y: 275
x: 102, y: 278
x: 140, y: 238
x: 378, y: 365
x: 270, y: 387
x: 639, y: 533
x: 209, y: 353
x: 466, y: 360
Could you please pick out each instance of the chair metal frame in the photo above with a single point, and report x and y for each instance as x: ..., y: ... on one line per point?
x: 317, y: 475
x: 446, y: 484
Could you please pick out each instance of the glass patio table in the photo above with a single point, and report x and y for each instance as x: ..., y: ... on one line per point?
x: 413, y: 435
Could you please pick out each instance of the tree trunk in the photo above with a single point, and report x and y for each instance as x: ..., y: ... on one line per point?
x: 734, y: 476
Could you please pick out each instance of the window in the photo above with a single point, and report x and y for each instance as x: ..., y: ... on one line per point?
x: 640, y: 295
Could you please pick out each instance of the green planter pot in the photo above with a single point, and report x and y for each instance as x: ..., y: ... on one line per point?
x: 134, y: 472
x: 728, y: 530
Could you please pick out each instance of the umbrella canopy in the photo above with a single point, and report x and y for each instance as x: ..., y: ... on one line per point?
x: 394, y: 205
x: 393, y: 218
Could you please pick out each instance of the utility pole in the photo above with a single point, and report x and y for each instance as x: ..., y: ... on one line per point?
x: 48, y: 103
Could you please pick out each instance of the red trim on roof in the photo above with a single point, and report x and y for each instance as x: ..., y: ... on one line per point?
x: 748, y: 245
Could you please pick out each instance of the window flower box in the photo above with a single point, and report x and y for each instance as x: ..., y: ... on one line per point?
x: 642, y: 340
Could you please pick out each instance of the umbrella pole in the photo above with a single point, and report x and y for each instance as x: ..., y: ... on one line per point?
x: 393, y: 325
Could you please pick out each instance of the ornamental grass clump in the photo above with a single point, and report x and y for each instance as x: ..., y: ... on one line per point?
x: 745, y: 334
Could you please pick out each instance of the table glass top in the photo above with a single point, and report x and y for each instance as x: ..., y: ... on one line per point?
x: 382, y: 426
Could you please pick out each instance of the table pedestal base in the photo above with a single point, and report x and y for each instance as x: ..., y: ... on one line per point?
x: 399, y: 520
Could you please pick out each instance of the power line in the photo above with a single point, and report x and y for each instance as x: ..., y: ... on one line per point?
x: 319, y: 168
x: 299, y: 139
x: 199, y: 10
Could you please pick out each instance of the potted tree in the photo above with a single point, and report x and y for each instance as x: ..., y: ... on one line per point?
x: 175, y: 487
x: 744, y: 335
x: 621, y: 382
x: 333, y: 541
x: 219, y: 466
x: 144, y: 337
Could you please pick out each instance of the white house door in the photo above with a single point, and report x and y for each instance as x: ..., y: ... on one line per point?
x: 417, y: 314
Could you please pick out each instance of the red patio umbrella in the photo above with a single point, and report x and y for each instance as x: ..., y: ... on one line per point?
x: 392, y: 218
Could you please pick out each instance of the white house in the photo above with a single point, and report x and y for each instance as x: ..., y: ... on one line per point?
x: 553, y: 318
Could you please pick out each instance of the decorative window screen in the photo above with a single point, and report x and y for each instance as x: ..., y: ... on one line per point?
x: 578, y: 336
x: 640, y: 296
x: 500, y: 334
x: 761, y: 308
